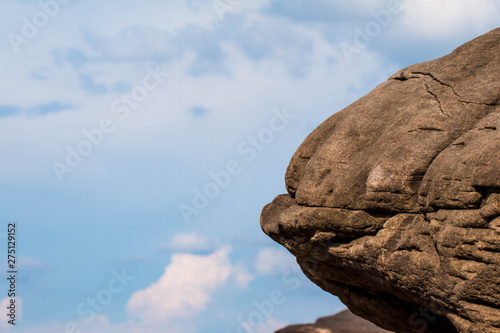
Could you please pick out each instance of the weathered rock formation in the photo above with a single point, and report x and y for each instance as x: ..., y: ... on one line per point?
x: 393, y: 203
x: 342, y: 322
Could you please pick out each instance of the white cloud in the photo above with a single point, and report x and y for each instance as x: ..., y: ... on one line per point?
x: 242, y: 276
x: 185, y: 288
x: 4, y: 303
x: 190, y: 242
x: 244, y: 99
x: 270, y: 261
x: 436, y: 19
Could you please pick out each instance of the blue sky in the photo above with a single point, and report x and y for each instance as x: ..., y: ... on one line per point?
x: 141, y: 139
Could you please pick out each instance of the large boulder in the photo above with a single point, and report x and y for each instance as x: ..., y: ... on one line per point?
x: 393, y: 203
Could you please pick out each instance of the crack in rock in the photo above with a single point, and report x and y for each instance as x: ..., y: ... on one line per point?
x: 437, y: 99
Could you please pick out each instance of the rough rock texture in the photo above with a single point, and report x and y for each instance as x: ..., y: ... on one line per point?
x: 394, y: 202
x: 343, y: 322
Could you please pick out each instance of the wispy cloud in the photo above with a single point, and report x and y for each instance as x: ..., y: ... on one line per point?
x: 42, y: 109
x: 305, y: 11
x: 30, y: 267
x: 54, y: 106
x: 190, y: 242
x: 271, y: 261
x: 438, y: 20
x: 74, y: 56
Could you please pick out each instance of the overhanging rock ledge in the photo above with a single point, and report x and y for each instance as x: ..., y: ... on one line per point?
x: 393, y: 203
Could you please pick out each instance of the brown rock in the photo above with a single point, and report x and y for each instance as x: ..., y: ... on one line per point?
x: 394, y: 202
x: 342, y: 322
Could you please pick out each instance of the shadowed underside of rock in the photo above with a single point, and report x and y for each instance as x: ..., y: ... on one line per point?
x: 393, y: 203
x: 343, y: 322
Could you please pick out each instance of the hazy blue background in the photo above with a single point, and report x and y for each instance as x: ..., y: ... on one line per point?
x: 232, y: 64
